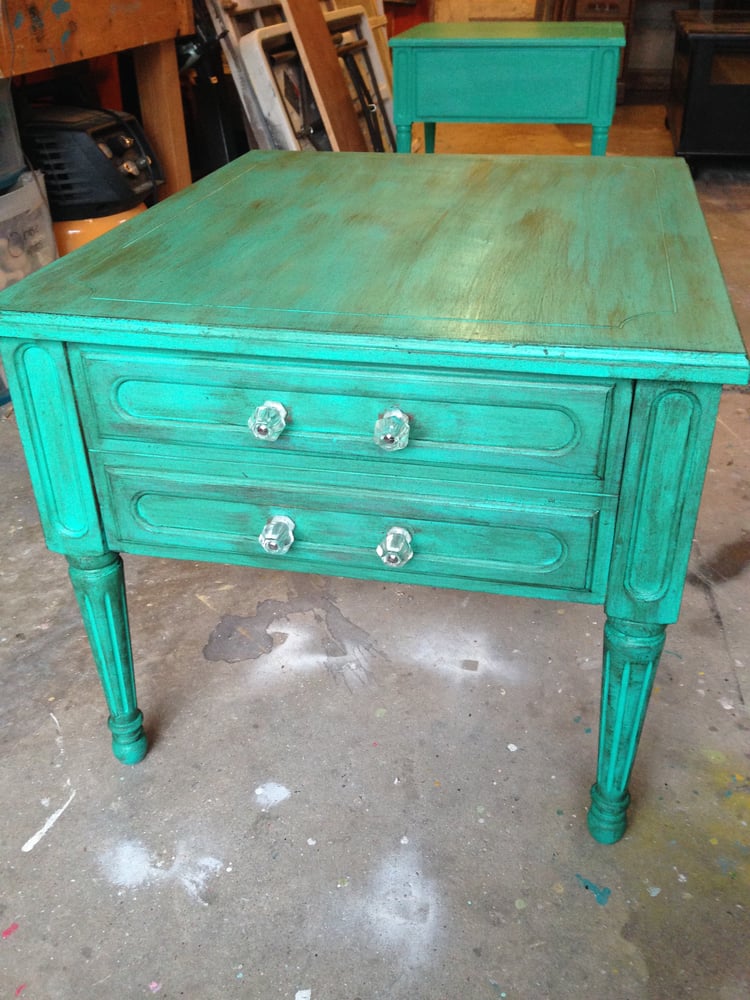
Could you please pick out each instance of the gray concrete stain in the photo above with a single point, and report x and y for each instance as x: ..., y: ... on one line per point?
x: 345, y: 646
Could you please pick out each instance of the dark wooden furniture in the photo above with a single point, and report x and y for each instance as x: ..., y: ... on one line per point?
x: 709, y: 102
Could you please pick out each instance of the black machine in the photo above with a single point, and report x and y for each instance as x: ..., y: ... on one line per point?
x: 95, y: 162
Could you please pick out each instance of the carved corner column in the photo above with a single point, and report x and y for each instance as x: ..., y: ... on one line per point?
x: 667, y: 453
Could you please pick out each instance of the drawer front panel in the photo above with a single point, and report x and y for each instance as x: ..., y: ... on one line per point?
x: 456, y: 84
x: 558, y: 426
x: 560, y: 545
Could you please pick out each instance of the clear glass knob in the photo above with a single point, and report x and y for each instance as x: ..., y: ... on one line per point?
x: 392, y: 430
x: 277, y: 536
x: 395, y: 548
x: 268, y: 421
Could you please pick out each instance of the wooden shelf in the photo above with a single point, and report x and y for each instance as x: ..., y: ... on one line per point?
x: 52, y: 33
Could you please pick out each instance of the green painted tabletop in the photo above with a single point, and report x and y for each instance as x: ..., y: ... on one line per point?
x: 600, y: 261
x: 498, y: 32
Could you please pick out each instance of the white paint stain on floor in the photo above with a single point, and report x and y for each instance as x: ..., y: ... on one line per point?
x: 271, y: 794
x: 55, y: 816
x: 399, y: 911
x: 49, y: 823
x: 302, y: 645
x: 460, y: 656
x: 294, y: 639
x: 129, y: 865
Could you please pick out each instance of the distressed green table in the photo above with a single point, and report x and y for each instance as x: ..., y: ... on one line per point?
x: 490, y: 373
x: 506, y: 71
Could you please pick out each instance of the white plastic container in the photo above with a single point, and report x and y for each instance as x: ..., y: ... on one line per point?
x: 27, y: 241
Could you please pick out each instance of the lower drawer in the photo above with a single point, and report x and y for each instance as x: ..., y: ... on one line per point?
x: 555, y: 545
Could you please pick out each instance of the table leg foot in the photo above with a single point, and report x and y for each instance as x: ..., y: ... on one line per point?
x: 429, y: 137
x: 599, y: 138
x: 99, y: 586
x: 403, y: 138
x: 607, y: 818
x: 129, y: 743
x: 631, y: 656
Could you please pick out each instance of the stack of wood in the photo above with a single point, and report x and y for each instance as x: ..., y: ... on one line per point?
x: 344, y: 112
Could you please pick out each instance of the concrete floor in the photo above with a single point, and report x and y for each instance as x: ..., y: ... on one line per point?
x: 358, y: 790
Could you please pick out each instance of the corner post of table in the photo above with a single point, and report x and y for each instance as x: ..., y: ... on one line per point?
x: 665, y: 463
x: 403, y: 138
x: 99, y: 585
x: 599, y: 139
x: 631, y: 656
x: 404, y: 92
x: 604, y: 95
x: 49, y: 425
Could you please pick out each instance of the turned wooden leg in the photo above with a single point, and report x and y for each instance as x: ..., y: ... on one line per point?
x: 631, y: 656
x: 403, y: 138
x: 100, y: 589
x: 599, y: 137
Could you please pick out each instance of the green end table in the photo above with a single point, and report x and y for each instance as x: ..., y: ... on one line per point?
x: 488, y: 373
x: 506, y: 71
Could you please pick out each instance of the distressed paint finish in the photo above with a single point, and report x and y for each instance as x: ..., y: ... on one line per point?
x: 99, y: 586
x: 45, y: 408
x: 671, y: 431
x: 555, y: 331
x: 508, y: 71
x: 631, y: 657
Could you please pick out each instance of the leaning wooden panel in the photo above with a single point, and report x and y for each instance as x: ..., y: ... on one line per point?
x: 321, y: 64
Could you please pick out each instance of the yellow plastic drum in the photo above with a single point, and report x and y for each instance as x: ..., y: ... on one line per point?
x: 71, y: 235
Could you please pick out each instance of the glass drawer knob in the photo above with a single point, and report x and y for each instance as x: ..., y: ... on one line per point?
x: 277, y: 536
x: 268, y: 421
x: 395, y: 548
x: 392, y: 430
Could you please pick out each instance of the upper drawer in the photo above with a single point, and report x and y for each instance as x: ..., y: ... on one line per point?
x: 154, y: 400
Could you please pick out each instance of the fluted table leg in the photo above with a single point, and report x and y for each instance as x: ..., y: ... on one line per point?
x: 631, y: 656
x: 99, y: 586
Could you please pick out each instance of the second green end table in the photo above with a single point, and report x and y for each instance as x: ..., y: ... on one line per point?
x: 506, y: 71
